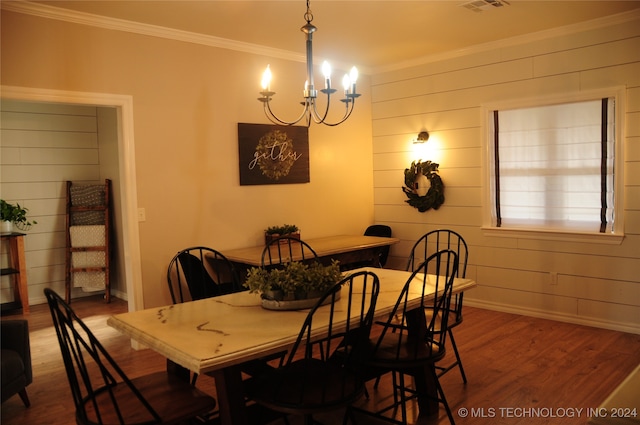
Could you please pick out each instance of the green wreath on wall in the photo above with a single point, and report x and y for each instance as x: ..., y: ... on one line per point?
x: 434, y: 196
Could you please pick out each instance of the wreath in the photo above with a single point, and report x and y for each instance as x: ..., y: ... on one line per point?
x: 272, y: 162
x: 434, y: 196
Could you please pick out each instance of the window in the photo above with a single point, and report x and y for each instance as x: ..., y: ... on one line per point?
x: 553, y: 166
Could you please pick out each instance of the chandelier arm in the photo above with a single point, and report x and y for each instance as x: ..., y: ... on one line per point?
x: 349, y: 106
x: 274, y: 118
x: 314, y: 111
x: 347, y: 114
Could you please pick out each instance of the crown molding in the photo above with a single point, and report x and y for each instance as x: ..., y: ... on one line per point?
x: 82, y: 18
x: 607, y: 21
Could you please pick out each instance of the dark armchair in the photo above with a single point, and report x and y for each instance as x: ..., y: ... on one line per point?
x: 16, y: 360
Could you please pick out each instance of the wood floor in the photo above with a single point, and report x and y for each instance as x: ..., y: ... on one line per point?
x: 521, y: 370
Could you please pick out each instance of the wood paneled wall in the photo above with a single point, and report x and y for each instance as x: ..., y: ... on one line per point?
x: 596, y: 284
x: 43, y: 145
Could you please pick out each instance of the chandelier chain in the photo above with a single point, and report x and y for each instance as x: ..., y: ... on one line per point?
x: 308, y: 16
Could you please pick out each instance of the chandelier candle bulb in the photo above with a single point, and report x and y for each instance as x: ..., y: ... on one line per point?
x: 346, y: 83
x: 326, y: 70
x: 266, y: 79
x: 353, y: 77
x: 309, y: 90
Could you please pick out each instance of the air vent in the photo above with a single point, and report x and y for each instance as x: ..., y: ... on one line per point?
x: 482, y: 5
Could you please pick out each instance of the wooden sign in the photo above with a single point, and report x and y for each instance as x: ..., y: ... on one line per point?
x: 273, y: 154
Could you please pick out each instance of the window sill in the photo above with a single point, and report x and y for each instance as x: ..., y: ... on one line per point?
x: 554, y: 235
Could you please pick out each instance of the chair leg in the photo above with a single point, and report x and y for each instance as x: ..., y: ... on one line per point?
x: 458, y: 360
x: 375, y: 384
x: 308, y: 420
x: 403, y: 399
x: 24, y: 397
x: 441, y: 397
x: 395, y: 386
x: 348, y: 416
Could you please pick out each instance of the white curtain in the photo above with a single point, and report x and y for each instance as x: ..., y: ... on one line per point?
x: 550, y: 166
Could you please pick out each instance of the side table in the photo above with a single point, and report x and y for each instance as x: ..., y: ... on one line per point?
x: 18, y: 272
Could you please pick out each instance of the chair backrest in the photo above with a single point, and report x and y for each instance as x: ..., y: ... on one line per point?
x: 92, y: 372
x: 200, y: 272
x: 357, y: 294
x: 285, y: 249
x: 418, y: 327
x: 384, y: 231
x: 435, y: 241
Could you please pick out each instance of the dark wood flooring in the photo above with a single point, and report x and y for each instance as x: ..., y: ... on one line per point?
x: 521, y: 370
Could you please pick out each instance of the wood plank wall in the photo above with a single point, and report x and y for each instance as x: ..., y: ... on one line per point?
x: 43, y: 145
x: 597, y: 284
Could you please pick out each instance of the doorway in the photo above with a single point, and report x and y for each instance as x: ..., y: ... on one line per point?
x: 116, y: 111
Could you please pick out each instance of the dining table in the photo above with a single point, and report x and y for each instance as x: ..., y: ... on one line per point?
x: 217, y: 335
x: 347, y: 249
x: 622, y: 405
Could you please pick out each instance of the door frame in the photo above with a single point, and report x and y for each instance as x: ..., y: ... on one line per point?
x: 126, y: 165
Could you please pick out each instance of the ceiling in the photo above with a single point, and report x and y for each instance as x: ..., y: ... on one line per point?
x: 375, y: 35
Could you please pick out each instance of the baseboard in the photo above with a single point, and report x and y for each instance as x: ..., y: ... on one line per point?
x: 559, y: 317
x: 42, y: 300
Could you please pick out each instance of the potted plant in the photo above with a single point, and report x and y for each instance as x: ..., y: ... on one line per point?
x: 274, y: 232
x: 14, y: 215
x: 297, y: 285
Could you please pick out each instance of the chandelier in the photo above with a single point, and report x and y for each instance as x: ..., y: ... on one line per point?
x: 310, y: 111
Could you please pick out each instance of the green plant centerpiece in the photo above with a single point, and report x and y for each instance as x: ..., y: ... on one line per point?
x: 274, y: 232
x: 15, y: 215
x: 295, y: 286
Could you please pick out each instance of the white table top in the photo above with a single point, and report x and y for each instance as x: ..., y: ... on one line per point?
x: 214, y: 333
x: 326, y: 246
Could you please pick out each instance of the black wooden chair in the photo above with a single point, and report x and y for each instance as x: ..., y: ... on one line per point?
x: 282, y: 250
x: 435, y: 241
x: 383, y: 231
x: 200, y: 272
x: 383, y: 253
x: 104, y: 394
x: 322, y: 370
x: 413, y: 337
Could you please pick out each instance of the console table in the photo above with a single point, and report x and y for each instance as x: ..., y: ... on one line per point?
x: 17, y: 270
x: 348, y: 249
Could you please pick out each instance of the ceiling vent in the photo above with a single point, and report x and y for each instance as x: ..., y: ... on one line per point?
x: 482, y: 5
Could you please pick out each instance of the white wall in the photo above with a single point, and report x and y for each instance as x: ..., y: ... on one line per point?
x: 42, y: 146
x: 187, y: 99
x: 597, y: 284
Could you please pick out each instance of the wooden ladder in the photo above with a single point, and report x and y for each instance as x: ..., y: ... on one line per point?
x: 105, y: 209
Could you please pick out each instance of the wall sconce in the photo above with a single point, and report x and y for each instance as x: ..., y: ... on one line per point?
x: 423, y: 136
